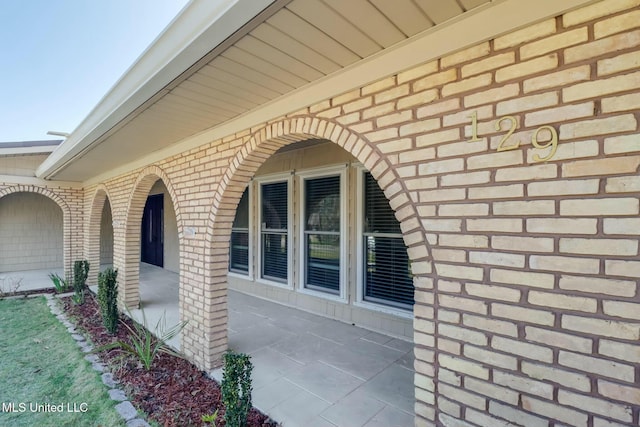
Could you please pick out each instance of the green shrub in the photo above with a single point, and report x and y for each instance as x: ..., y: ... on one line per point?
x: 108, y: 299
x: 80, y: 274
x: 236, y: 388
x: 61, y: 285
x: 143, y: 345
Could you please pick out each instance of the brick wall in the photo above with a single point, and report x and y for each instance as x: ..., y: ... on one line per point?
x: 529, y: 312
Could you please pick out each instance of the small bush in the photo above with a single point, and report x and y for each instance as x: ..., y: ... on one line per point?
x: 108, y: 299
x: 80, y: 274
x: 143, y: 345
x: 61, y: 285
x: 236, y: 388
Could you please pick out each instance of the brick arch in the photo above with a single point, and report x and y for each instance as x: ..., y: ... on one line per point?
x: 254, y: 152
x: 92, y: 234
x: 66, y: 216
x: 127, y: 260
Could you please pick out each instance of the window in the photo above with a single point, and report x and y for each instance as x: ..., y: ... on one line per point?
x: 274, y: 229
x: 322, y: 233
x: 387, y: 272
x: 239, y: 245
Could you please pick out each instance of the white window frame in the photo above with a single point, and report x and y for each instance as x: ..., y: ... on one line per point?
x: 360, y: 254
x: 267, y: 179
x: 341, y: 171
x: 250, y: 239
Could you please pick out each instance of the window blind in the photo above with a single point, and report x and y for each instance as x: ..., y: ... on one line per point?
x: 387, y: 272
x: 239, y: 245
x: 322, y: 234
x: 274, y: 212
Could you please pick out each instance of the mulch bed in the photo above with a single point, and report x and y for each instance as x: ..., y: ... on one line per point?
x: 173, y: 392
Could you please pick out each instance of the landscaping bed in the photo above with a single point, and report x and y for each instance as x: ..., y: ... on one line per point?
x: 173, y: 392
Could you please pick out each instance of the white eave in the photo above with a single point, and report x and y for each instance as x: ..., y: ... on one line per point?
x: 222, y: 67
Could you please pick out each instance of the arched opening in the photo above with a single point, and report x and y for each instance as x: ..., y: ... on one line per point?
x: 360, y: 335
x: 150, y: 279
x: 31, y: 241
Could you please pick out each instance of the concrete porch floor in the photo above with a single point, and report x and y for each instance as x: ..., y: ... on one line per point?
x: 308, y: 370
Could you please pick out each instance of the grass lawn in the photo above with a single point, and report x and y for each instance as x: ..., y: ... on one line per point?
x: 41, y: 364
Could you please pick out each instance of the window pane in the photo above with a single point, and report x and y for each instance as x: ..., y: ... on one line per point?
x: 378, y: 215
x: 387, y: 277
x: 387, y: 272
x: 239, y: 251
x: 274, y: 223
x: 322, y: 207
x: 242, y: 211
x: 323, y: 262
x: 274, y: 206
x: 274, y: 256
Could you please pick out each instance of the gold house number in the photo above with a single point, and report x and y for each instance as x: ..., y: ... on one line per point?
x: 511, y: 125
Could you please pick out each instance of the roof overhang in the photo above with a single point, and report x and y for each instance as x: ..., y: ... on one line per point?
x: 28, y: 147
x: 152, y: 91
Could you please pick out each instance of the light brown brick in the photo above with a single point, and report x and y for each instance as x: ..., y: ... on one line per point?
x: 497, y: 258
x: 592, y: 207
x: 491, y: 325
x: 617, y: 24
x: 434, y: 138
x: 528, y: 208
x: 391, y: 94
x: 492, y: 391
x: 598, y: 406
x: 607, y: 328
x: 466, y: 85
x: 435, y: 80
x: 488, y: 357
x: 623, y: 288
x: 527, y: 103
x: 589, y: 128
x: 419, y: 126
x: 602, y: 47
x: 465, y: 55
x: 562, y: 225
x: 526, y: 173
x: 601, y: 87
x: 464, y: 210
x: 620, y: 351
x: 522, y: 314
x: 463, y: 179
x: 622, y: 144
x: 438, y: 108
x: 622, y: 226
x: 526, y: 350
x: 555, y: 374
x: 492, y: 95
x: 499, y: 293
x: 517, y: 416
x: 559, y: 114
x: 618, y: 247
x: 463, y: 334
x: 625, y: 310
x: 419, y: 98
x: 495, y: 160
x: 619, y: 392
x: 555, y: 411
x: 464, y: 240
x: 459, y: 271
x: 564, y: 264
x: 597, y: 10
x: 531, y: 32
x: 555, y: 42
x: 463, y: 366
x: 461, y: 148
x: 491, y: 63
x: 497, y: 192
x: 419, y: 71
x: 623, y: 184
x: 524, y: 278
x: 464, y: 304
x: 628, y: 102
x: 564, y: 187
x: 513, y: 225
x: 622, y: 268
x: 528, y: 244
x: 527, y: 68
x: 557, y: 79
x: 565, y: 302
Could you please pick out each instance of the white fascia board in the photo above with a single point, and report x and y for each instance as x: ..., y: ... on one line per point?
x: 483, y: 23
x: 17, y: 151
x: 201, y: 26
x: 30, y: 180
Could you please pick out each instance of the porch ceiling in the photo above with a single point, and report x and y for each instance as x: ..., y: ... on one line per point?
x: 289, y: 46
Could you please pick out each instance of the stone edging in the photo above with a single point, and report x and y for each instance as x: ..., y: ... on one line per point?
x: 124, y: 408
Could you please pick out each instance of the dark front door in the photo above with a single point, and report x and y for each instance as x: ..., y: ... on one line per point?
x: 152, y: 234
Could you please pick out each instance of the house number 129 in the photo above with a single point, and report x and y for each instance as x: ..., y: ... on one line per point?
x: 511, y: 125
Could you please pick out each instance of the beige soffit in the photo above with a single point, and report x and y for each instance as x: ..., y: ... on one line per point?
x: 207, y: 115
